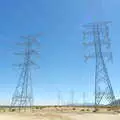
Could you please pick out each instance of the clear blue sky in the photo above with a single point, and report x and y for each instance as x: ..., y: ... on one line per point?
x: 61, y: 61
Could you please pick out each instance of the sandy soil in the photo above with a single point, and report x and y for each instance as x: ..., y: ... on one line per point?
x: 59, y: 116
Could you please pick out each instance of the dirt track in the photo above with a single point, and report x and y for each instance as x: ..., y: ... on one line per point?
x: 58, y: 116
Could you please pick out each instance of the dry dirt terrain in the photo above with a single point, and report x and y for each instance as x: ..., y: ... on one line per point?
x: 58, y: 116
x: 62, y: 113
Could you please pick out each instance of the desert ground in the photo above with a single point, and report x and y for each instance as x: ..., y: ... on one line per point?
x: 61, y: 114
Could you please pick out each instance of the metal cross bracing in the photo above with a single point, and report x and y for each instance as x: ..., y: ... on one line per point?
x: 23, y: 95
x: 97, y: 36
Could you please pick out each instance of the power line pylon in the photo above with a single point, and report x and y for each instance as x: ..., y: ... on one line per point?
x: 84, y: 100
x: 72, y: 97
x: 59, y: 98
x: 97, y: 36
x: 23, y: 95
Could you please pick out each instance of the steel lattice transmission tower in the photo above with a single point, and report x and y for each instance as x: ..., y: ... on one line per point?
x: 23, y: 95
x: 96, y: 35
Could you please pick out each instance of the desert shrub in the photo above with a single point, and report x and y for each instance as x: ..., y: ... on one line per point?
x: 13, y: 110
x: 3, y: 110
x: 55, y: 106
x: 109, y: 109
x: 37, y: 107
x: 82, y: 110
x: 95, y: 110
x: 87, y: 110
x: 74, y: 109
x: 41, y: 107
